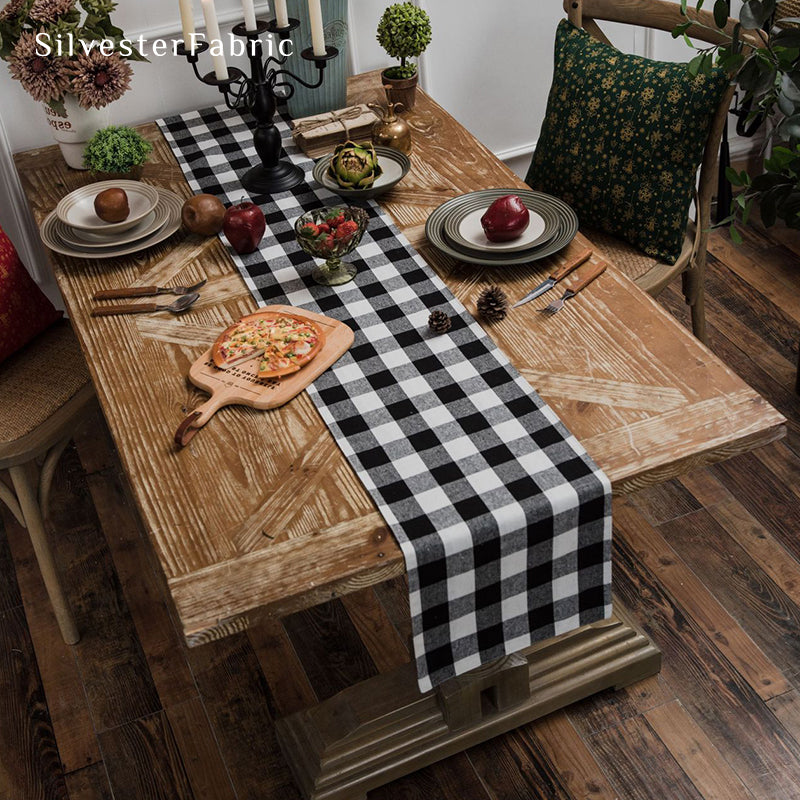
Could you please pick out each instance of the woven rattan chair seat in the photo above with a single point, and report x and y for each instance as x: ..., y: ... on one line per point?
x: 625, y: 257
x: 39, y: 380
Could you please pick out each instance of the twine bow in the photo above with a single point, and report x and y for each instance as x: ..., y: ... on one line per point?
x: 341, y: 116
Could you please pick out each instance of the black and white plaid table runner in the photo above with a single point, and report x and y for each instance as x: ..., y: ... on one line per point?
x: 503, y: 519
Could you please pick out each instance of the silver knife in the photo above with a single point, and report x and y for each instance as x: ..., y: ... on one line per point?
x: 554, y: 278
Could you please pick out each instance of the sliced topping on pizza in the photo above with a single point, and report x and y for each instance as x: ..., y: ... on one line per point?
x: 284, y: 342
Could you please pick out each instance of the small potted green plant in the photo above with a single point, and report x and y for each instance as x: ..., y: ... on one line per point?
x: 116, y: 152
x: 404, y: 32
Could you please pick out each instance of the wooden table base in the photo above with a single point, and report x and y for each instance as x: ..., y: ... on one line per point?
x: 383, y: 728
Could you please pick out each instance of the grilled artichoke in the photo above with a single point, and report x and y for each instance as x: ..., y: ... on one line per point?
x: 354, y: 166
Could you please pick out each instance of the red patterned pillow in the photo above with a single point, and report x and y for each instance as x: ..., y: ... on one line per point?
x: 24, y: 310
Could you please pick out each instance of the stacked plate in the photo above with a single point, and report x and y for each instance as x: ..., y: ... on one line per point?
x: 74, y: 229
x: 455, y: 228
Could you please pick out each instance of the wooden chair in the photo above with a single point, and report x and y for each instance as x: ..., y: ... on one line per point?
x: 647, y: 272
x: 44, y: 390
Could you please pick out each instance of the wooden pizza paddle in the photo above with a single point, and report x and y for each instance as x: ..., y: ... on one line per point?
x: 240, y: 385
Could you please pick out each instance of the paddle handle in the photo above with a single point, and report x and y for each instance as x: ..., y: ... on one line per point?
x: 595, y: 271
x: 133, y: 308
x: 135, y: 291
x: 565, y: 269
x: 197, y: 418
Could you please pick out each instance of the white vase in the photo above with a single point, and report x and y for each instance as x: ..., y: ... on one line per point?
x: 76, y: 128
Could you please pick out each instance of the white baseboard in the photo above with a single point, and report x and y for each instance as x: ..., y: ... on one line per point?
x: 516, y: 152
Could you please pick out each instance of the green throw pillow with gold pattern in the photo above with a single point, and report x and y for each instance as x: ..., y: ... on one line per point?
x: 622, y: 139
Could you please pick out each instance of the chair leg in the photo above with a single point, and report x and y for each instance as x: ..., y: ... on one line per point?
x: 694, y: 290
x: 698, y: 309
x: 25, y: 482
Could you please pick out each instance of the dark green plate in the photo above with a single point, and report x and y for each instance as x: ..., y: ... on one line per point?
x: 452, y: 224
x: 568, y: 227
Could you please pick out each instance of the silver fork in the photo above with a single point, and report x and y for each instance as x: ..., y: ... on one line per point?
x: 586, y: 279
x: 147, y: 291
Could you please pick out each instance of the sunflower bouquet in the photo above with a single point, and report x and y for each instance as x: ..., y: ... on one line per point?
x: 53, y: 49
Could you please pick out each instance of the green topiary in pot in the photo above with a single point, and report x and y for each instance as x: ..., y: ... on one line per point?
x: 116, y: 151
x: 404, y: 32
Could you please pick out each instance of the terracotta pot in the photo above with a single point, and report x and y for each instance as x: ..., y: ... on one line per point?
x: 404, y: 90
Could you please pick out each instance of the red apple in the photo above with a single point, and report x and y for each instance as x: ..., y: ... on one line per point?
x: 505, y: 219
x: 244, y: 227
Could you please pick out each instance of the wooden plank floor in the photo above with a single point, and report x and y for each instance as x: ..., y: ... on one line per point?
x: 709, y: 565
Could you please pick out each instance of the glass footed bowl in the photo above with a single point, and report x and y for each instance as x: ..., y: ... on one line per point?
x: 341, y: 232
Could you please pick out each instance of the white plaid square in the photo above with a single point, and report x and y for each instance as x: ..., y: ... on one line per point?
x: 432, y: 500
x: 565, y: 543
x: 388, y: 432
x: 461, y: 448
x: 461, y: 585
x: 485, y: 480
x: 409, y: 466
x: 456, y: 539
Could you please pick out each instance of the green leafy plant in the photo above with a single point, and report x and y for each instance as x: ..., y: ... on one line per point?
x: 404, y: 32
x: 762, y: 51
x: 116, y: 149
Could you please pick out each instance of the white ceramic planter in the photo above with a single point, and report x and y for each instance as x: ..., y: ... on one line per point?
x: 76, y: 128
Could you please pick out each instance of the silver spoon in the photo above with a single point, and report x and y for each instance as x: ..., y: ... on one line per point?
x: 180, y: 305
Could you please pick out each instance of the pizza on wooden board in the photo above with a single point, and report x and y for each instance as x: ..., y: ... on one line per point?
x: 283, y: 342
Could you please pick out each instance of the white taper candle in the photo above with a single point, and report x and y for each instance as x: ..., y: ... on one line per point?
x: 317, y: 34
x: 249, y: 15
x: 212, y: 32
x: 187, y: 21
x: 281, y: 14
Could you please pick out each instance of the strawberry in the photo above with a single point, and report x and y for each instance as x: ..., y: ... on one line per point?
x: 309, y: 229
x: 325, y: 245
x: 345, y: 230
x: 324, y: 227
x: 335, y: 219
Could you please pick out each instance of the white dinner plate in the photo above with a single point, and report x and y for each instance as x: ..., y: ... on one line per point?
x: 151, y: 223
x: 77, y: 208
x: 471, y: 231
x: 51, y: 226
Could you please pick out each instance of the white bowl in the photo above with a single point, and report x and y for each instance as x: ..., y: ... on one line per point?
x: 77, y: 208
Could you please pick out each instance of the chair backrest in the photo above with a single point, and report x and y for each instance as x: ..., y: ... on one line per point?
x: 665, y: 16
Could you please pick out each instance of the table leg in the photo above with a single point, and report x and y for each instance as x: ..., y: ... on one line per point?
x: 383, y: 728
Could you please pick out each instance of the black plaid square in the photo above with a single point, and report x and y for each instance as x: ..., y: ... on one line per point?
x: 485, y: 490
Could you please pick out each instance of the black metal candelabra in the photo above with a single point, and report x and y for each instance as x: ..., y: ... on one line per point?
x: 257, y: 94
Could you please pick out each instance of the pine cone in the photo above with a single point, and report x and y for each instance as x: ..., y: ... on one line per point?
x: 439, y: 322
x: 493, y: 304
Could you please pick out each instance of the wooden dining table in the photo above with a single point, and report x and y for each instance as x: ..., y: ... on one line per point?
x: 262, y: 515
